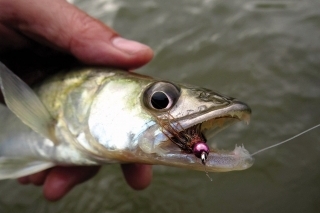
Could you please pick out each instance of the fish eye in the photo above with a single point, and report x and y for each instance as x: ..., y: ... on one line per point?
x: 159, y: 100
x: 161, y: 96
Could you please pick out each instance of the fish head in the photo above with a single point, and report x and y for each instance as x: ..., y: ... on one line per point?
x: 186, y: 115
x: 139, y: 119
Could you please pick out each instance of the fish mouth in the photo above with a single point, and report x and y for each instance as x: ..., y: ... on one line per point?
x: 210, y: 122
x: 217, y: 120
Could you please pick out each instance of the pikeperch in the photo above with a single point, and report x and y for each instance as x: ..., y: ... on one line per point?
x: 94, y: 116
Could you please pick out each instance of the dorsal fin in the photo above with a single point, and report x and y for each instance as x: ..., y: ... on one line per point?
x: 25, y: 104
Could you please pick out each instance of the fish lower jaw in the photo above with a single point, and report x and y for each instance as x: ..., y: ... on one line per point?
x: 217, y: 161
x: 238, y: 159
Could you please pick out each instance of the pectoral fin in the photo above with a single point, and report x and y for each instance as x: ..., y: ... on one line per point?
x: 14, y: 168
x: 25, y: 104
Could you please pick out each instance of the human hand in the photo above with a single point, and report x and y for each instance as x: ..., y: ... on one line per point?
x: 39, y: 34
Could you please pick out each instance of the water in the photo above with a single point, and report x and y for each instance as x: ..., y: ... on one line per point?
x: 265, y: 53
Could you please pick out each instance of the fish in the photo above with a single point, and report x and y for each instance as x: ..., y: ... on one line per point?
x: 97, y: 115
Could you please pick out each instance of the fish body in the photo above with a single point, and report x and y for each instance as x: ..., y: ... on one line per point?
x: 94, y: 116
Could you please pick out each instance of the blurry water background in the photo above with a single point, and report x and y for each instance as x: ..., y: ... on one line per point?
x: 265, y: 53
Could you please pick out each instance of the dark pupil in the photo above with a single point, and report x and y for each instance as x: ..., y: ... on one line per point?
x: 159, y: 100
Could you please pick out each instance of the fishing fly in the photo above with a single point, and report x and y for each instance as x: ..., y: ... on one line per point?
x: 189, y: 140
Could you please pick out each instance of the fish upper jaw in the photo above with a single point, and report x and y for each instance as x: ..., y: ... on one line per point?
x: 235, y: 111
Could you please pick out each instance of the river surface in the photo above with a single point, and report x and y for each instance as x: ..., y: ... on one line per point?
x: 265, y: 53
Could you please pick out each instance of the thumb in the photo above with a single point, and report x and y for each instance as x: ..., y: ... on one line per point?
x: 62, y: 26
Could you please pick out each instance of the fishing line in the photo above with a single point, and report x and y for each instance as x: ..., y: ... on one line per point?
x: 207, y: 173
x: 285, y: 141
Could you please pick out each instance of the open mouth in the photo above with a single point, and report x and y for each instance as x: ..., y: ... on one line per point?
x: 211, y: 127
x: 185, y: 133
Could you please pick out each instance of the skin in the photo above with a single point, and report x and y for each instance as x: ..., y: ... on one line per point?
x: 35, y: 35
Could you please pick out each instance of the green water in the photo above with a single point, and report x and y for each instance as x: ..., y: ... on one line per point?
x: 265, y: 53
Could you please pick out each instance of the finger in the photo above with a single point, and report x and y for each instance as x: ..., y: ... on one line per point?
x: 138, y: 176
x: 39, y: 178
x: 24, y: 180
x: 9, y: 39
x: 73, y: 31
x: 61, y: 180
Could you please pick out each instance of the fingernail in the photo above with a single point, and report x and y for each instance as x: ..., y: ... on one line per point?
x: 128, y: 46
